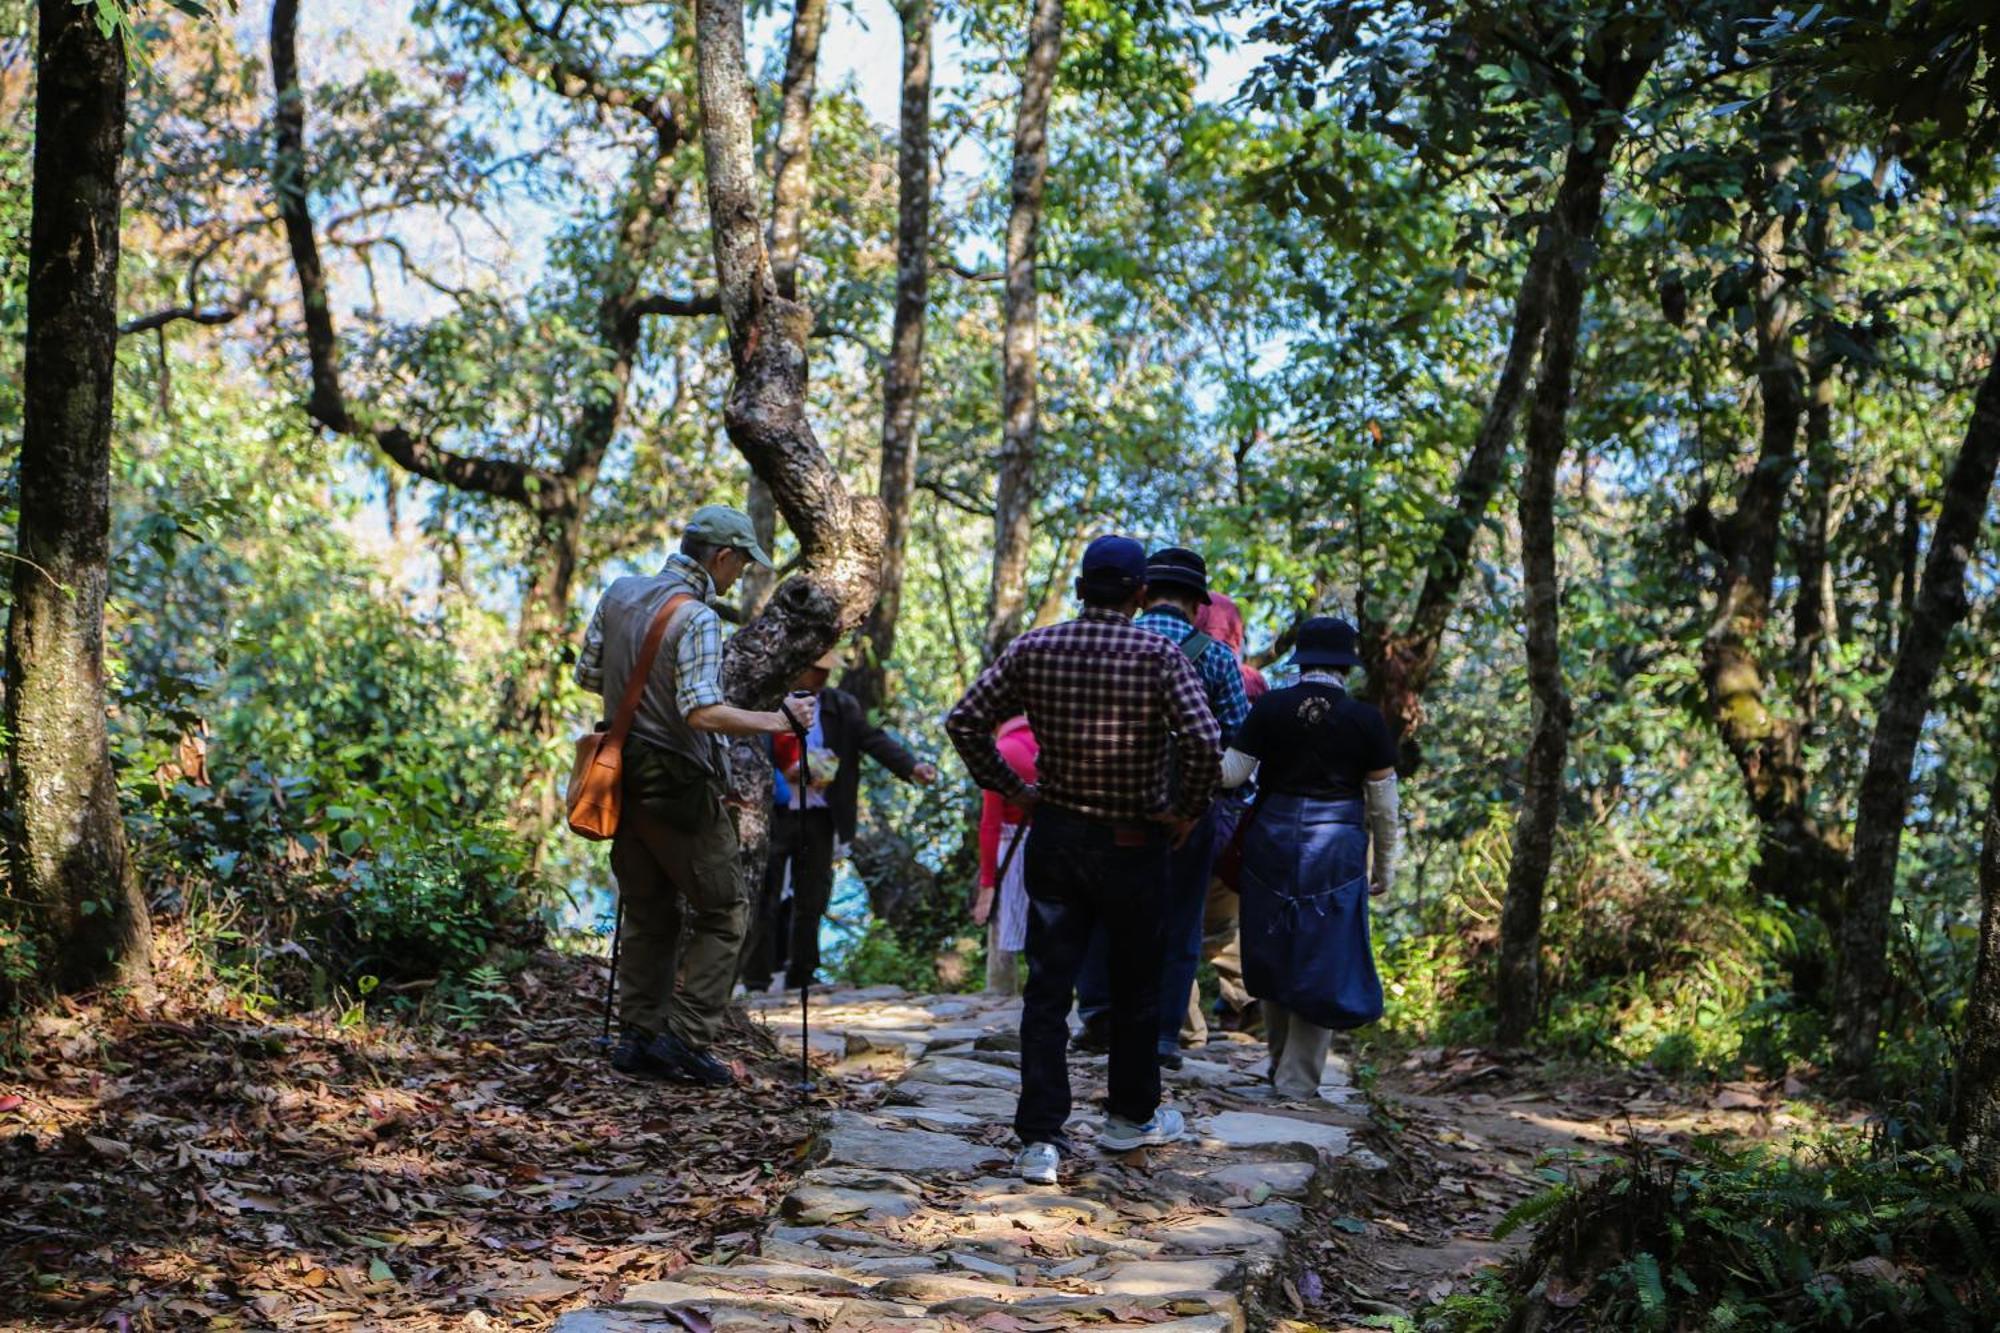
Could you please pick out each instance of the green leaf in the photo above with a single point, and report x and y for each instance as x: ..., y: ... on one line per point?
x: 379, y: 1271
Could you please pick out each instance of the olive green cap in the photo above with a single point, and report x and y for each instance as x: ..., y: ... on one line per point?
x: 719, y: 525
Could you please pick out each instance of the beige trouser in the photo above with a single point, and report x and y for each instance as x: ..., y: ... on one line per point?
x: 1003, y: 973
x: 1298, y: 1053
x: 1222, y: 949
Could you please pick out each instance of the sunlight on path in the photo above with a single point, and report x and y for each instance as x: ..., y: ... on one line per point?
x: 913, y: 1221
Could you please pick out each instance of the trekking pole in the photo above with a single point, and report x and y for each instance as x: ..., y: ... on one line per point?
x: 805, y: 987
x: 611, y: 979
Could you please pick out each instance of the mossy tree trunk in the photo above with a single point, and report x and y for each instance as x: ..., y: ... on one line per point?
x: 72, y: 878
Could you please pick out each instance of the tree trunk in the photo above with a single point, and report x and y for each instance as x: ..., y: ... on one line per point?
x: 1941, y: 603
x: 1975, y: 1120
x: 791, y: 174
x: 903, y: 383
x: 1014, y: 500
x: 1798, y: 862
x: 840, y: 537
x: 1400, y: 664
x: 1614, y: 74
x: 67, y: 854
x: 1573, y: 227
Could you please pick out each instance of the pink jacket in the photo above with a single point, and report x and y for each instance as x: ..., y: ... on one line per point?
x: 1018, y: 747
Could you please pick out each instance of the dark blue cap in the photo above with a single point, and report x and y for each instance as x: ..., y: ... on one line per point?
x: 1114, y: 559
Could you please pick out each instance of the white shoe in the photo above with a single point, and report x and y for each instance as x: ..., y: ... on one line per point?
x: 1121, y: 1135
x: 1037, y: 1163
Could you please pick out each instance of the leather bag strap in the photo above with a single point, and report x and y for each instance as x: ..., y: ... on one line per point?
x: 642, y: 668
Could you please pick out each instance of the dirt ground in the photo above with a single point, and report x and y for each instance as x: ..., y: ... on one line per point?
x: 1469, y: 1134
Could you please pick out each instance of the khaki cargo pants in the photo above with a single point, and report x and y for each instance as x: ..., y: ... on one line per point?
x: 682, y: 891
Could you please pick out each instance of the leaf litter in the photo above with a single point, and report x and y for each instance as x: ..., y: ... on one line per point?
x: 205, y: 1165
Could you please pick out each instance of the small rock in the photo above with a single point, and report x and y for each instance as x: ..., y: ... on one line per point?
x: 972, y: 1263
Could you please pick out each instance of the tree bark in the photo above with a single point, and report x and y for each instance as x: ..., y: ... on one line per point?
x: 1573, y: 227
x: 1975, y: 1119
x: 1401, y: 663
x: 902, y: 384
x: 1014, y: 501
x: 840, y: 537
x: 791, y: 175
x: 1861, y: 978
x: 1798, y: 861
x: 1574, y: 222
x: 67, y: 853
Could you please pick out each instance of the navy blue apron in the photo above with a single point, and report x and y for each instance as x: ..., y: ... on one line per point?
x: 1305, y: 911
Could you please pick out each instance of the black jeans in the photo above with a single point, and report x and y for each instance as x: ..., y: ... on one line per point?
x: 1080, y: 871
x: 805, y: 839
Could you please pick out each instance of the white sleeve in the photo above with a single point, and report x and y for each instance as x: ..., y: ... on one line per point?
x: 1237, y: 767
x: 1384, y: 830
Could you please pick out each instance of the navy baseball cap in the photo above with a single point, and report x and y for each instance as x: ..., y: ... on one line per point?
x: 1114, y: 560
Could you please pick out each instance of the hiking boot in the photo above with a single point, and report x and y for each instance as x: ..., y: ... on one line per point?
x: 689, y: 1065
x: 1096, y: 1035
x: 1121, y: 1135
x: 1037, y: 1163
x: 667, y: 1056
x: 629, y: 1055
x: 1171, y: 1059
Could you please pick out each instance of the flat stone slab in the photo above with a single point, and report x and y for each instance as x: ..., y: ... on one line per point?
x: 992, y: 1103
x: 1251, y: 1129
x: 1165, y: 1277
x: 855, y: 1140
x: 944, y: 1119
x: 1206, y: 1074
x: 818, y: 1205
x: 965, y: 1073
x: 1292, y: 1180
x: 1219, y: 1235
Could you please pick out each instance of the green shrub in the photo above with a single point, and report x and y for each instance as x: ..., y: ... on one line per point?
x: 434, y: 909
x: 1842, y: 1235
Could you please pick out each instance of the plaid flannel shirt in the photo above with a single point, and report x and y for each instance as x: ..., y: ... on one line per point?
x: 1220, y: 674
x: 1121, y: 717
x: 698, y: 655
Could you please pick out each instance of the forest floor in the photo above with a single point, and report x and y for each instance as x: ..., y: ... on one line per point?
x: 1470, y: 1134
x: 205, y: 1165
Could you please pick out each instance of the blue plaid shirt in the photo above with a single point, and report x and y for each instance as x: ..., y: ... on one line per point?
x: 1217, y: 668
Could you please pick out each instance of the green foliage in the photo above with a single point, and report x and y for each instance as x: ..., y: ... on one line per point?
x: 433, y: 907
x: 1833, y: 1236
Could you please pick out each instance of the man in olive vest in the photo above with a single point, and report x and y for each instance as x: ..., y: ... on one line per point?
x: 675, y: 855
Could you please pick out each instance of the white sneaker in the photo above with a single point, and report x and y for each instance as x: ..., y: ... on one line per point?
x: 1037, y: 1163
x: 1121, y: 1135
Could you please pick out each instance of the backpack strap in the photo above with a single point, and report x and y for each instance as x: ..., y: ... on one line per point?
x: 1195, y: 644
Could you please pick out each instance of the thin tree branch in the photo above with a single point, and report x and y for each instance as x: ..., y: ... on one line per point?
x: 159, y: 319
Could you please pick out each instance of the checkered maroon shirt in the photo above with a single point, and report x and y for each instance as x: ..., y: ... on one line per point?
x: 1114, y: 707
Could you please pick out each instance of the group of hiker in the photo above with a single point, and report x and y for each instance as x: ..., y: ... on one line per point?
x: 1149, y: 804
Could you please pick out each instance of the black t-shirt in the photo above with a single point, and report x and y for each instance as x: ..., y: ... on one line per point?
x: 1313, y: 740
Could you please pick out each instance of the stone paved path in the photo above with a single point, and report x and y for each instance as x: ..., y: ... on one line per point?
x: 912, y: 1219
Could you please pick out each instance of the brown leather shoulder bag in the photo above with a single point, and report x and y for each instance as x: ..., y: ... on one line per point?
x: 596, y: 779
